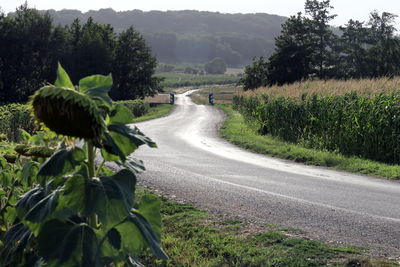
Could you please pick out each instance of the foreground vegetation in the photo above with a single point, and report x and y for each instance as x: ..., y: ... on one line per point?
x: 59, y: 208
x: 193, y: 237
x: 237, y: 130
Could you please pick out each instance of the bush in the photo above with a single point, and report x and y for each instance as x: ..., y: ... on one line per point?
x: 138, y: 107
x: 14, y: 117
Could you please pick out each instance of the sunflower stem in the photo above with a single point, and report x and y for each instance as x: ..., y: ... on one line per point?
x: 92, y: 220
x: 90, y: 150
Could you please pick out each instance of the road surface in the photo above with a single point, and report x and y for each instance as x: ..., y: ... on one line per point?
x: 195, y: 165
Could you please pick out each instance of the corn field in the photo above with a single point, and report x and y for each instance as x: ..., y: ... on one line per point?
x: 362, y: 122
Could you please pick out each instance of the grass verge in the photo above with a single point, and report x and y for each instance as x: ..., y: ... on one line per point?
x: 245, y: 135
x: 155, y: 112
x: 192, y: 237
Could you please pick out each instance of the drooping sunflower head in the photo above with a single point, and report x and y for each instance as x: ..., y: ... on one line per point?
x: 68, y: 112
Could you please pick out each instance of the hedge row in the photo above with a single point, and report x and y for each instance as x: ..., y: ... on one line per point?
x: 364, y: 126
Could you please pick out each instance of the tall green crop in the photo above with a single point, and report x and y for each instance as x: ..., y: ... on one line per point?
x: 78, y: 213
x: 365, y: 126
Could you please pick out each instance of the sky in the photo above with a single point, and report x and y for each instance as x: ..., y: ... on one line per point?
x: 345, y: 9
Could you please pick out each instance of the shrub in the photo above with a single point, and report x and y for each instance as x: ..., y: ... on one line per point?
x: 137, y: 107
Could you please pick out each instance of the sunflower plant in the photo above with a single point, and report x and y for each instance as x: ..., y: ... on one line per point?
x: 80, y: 213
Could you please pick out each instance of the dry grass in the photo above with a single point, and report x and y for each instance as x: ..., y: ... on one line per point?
x: 364, y: 87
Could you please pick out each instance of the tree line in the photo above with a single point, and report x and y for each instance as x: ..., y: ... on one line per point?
x: 309, y: 47
x: 31, y: 46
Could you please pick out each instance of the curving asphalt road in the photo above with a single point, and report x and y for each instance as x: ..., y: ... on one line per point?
x: 195, y: 165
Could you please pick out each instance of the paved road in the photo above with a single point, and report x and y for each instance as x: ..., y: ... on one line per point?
x: 195, y: 165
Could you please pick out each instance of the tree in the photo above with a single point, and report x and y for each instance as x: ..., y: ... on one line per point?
x: 133, y: 68
x: 321, y: 32
x: 215, y: 66
x: 24, y: 53
x: 255, y: 75
x: 352, y: 50
x: 383, y: 55
x: 294, y: 52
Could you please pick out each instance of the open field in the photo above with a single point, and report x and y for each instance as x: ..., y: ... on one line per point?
x: 173, y: 80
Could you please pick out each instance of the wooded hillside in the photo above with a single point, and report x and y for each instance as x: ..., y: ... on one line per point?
x: 192, y: 36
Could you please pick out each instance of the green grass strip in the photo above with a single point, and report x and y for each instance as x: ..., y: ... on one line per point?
x: 193, y: 237
x: 155, y: 112
x: 245, y: 135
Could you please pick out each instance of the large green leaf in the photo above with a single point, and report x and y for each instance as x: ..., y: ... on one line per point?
x: 124, y: 143
x: 96, y: 82
x: 133, y: 134
x: 29, y: 171
x: 111, y: 198
x: 63, y: 79
x: 120, y: 115
x: 137, y: 226
x: 29, y: 200
x: 114, y: 238
x: 133, y: 164
x: 65, y: 242
x: 15, y: 239
x: 110, y: 150
x: 149, y: 207
x: 35, y: 205
x: 43, y: 208
x: 97, y: 87
x: 62, y: 162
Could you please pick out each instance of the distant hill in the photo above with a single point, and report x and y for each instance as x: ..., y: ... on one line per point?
x: 192, y: 36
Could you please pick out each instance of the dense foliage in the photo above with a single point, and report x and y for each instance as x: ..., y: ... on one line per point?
x: 309, y: 48
x: 13, y: 118
x: 137, y: 107
x: 58, y: 208
x: 360, y: 124
x: 31, y: 46
x: 192, y: 36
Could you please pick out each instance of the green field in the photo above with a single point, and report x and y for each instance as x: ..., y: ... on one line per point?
x: 174, y: 80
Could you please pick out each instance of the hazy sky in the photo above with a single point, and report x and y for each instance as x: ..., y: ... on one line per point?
x: 345, y: 9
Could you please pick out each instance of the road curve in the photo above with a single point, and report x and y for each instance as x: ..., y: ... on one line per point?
x: 195, y: 165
